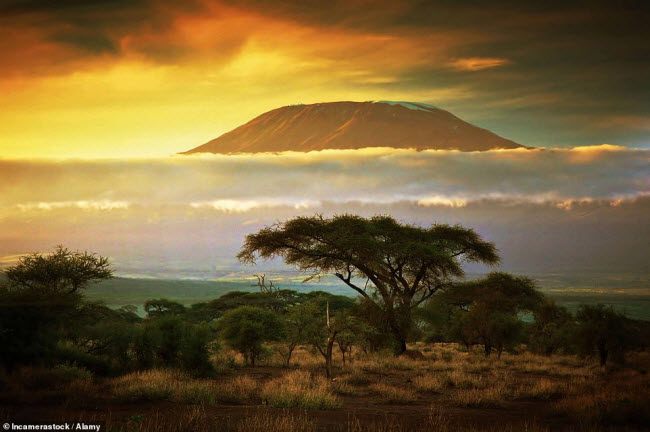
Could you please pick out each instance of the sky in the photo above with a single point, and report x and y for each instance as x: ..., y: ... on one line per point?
x: 149, y: 78
x: 97, y: 97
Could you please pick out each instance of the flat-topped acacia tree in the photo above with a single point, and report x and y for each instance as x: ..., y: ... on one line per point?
x: 403, y: 265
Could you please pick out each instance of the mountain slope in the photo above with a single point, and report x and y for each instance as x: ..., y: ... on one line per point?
x: 354, y: 125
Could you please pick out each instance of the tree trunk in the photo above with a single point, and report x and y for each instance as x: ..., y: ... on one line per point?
x: 289, y: 355
x: 331, y: 336
x: 602, y: 351
x: 350, y: 354
x: 488, y: 350
x: 328, y: 356
x: 400, y: 342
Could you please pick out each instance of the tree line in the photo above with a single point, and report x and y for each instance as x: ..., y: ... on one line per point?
x: 409, y: 283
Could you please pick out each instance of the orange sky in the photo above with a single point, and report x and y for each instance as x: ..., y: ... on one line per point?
x: 151, y: 78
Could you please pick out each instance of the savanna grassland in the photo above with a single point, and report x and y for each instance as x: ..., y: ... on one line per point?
x: 447, y: 388
x: 420, y: 348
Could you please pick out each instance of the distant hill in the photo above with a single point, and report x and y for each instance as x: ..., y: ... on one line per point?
x: 355, y: 125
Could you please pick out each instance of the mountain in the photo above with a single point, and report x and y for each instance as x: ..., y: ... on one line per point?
x: 354, y: 125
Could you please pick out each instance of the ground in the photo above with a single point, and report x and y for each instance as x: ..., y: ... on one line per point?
x: 451, y: 389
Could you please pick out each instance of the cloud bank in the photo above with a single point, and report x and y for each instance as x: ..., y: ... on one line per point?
x: 303, y: 180
x: 583, y: 209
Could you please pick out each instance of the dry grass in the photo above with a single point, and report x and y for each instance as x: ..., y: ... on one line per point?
x: 492, y: 397
x: 270, y: 421
x: 584, y: 396
x: 156, y: 384
x: 393, y: 394
x: 357, y: 378
x: 621, y: 399
x: 161, y: 384
x: 299, y: 389
x: 59, y: 377
x: 542, y: 389
x: 432, y: 383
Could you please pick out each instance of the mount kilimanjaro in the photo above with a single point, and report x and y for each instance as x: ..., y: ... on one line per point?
x: 355, y: 125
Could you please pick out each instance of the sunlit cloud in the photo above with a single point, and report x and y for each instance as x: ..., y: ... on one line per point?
x: 83, y: 205
x: 473, y: 64
x: 443, y: 201
x: 239, y: 183
x: 243, y: 206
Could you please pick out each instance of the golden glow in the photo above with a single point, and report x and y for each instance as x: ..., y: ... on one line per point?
x: 232, y: 65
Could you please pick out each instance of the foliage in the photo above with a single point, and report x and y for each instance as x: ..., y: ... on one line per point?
x: 492, y: 306
x: 404, y: 264
x: 196, y: 348
x: 247, y: 328
x: 41, y: 303
x: 62, y: 271
x: 552, y: 329
x: 161, y: 307
x: 604, y: 331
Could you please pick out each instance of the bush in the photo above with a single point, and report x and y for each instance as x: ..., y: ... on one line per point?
x: 247, y: 328
x: 195, y: 350
x: 98, y: 365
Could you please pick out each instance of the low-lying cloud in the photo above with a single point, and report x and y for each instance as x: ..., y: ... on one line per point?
x: 546, y: 210
x: 241, y: 182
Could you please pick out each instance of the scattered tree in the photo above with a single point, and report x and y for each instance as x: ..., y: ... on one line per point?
x: 493, y: 305
x: 404, y: 264
x: 41, y: 303
x: 247, y: 328
x: 162, y: 307
x: 552, y: 328
x: 602, y: 330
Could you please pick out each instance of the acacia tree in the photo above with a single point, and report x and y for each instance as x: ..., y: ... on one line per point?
x: 41, y: 302
x: 247, y: 328
x: 61, y: 272
x: 492, y: 305
x: 602, y: 330
x: 404, y: 264
x: 163, y: 307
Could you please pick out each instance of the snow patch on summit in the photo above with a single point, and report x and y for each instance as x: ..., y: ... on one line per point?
x: 410, y: 105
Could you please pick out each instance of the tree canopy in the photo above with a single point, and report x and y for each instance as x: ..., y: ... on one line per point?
x: 61, y: 271
x: 405, y: 264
